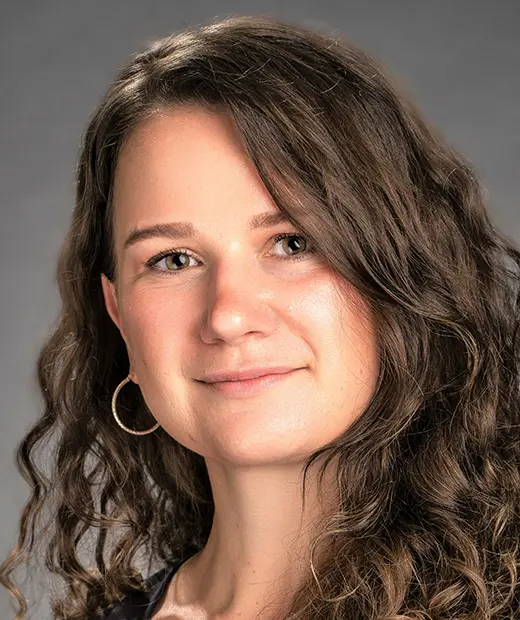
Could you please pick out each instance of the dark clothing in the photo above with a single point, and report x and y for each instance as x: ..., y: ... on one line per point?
x: 141, y: 605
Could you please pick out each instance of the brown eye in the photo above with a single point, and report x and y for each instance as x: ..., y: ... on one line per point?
x: 294, y: 245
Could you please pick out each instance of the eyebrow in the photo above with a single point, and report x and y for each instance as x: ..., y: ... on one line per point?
x: 180, y: 230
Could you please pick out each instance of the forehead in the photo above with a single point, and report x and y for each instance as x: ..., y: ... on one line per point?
x: 185, y: 137
x: 186, y: 160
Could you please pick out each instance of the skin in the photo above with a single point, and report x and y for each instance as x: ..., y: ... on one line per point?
x: 235, y: 304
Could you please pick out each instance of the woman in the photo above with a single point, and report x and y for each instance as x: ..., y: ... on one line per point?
x: 326, y: 428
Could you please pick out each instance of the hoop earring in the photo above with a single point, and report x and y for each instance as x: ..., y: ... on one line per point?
x: 114, y: 412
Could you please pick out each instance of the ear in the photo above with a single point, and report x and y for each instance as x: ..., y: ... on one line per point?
x: 110, y: 296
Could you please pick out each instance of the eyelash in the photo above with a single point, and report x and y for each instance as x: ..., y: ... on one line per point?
x: 150, y: 264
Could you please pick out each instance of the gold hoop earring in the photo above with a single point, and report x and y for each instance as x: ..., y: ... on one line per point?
x: 114, y: 412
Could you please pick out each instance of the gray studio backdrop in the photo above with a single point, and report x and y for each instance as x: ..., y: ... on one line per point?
x: 458, y: 58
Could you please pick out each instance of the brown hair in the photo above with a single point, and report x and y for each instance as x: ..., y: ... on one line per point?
x: 428, y: 525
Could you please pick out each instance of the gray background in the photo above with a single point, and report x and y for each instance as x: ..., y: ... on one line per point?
x: 459, y: 59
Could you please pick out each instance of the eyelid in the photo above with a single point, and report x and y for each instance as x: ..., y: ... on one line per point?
x: 151, y: 262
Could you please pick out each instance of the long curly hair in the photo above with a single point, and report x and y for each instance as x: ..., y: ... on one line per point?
x: 427, y: 526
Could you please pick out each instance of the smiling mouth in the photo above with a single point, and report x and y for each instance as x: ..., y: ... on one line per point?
x: 249, y: 387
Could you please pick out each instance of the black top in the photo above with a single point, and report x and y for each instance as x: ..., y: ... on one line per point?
x: 141, y: 605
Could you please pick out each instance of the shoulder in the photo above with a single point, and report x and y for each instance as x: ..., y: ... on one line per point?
x: 140, y: 605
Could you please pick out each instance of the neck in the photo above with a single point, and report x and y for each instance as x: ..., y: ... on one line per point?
x: 259, y: 547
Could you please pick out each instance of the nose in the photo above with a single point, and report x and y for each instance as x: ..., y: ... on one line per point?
x: 239, y: 304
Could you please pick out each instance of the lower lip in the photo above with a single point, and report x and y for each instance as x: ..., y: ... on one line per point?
x: 248, y: 387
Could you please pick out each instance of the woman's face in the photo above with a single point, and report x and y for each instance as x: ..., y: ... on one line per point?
x: 231, y: 298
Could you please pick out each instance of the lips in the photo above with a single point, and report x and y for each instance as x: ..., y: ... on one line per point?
x: 247, y: 388
x: 244, y: 375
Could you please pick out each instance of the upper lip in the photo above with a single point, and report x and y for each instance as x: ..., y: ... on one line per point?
x: 242, y: 375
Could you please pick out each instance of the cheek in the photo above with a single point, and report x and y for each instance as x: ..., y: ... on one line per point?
x: 154, y: 322
x: 342, y: 334
x: 358, y: 363
x: 335, y: 314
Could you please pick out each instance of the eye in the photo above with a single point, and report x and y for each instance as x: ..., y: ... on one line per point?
x: 175, y: 259
x: 294, y: 246
x: 171, y: 260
